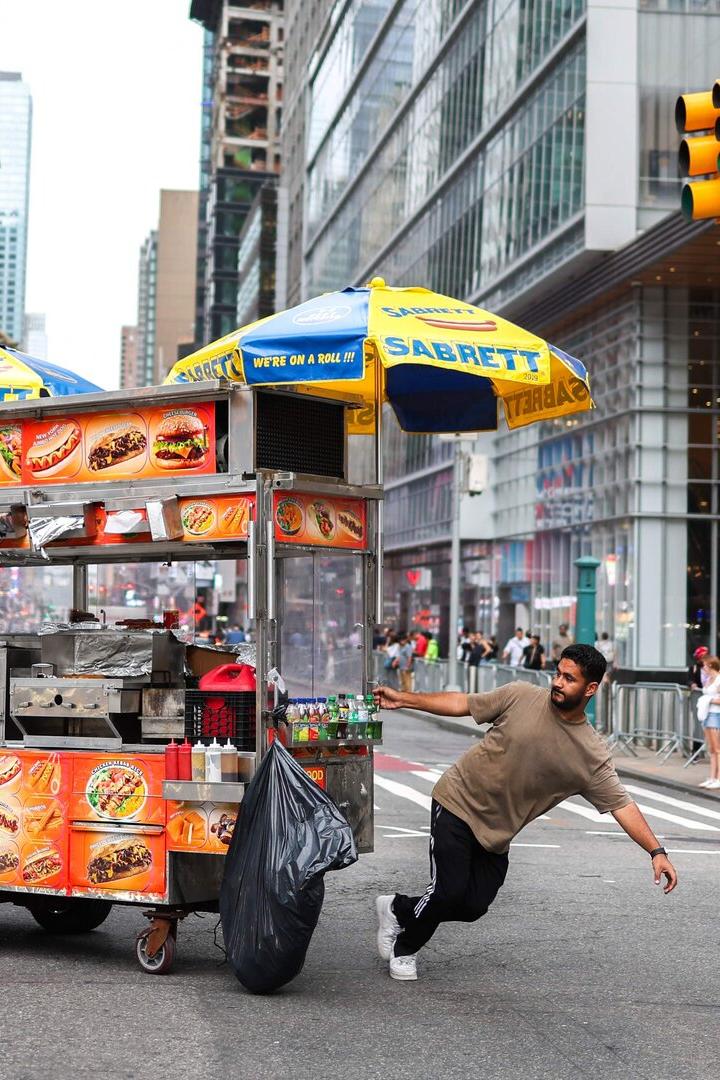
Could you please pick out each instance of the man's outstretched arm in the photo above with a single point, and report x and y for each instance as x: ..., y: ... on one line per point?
x: 632, y: 821
x: 446, y: 703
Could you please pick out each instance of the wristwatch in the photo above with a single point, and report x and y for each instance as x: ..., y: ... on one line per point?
x: 658, y: 851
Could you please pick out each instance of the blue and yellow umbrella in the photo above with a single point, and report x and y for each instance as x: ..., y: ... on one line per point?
x: 23, y: 376
x: 441, y: 363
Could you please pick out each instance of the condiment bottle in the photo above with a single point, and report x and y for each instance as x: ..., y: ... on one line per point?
x: 198, y: 762
x: 184, y: 754
x: 213, y: 763
x: 171, y: 761
x: 229, y: 763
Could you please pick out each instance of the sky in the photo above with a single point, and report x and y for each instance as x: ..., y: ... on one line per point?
x: 116, y: 117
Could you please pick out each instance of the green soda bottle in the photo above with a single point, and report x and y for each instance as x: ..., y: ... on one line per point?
x: 332, y: 717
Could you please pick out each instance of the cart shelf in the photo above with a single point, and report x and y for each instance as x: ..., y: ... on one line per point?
x: 203, y: 791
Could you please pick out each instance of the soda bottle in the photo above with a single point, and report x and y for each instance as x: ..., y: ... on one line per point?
x: 352, y: 727
x: 313, y: 728
x: 302, y: 721
x: 370, y: 706
x: 332, y: 723
x: 343, y: 713
x: 362, y: 717
x: 322, y: 719
x: 291, y: 718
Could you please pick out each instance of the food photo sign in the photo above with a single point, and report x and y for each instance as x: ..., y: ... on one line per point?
x: 320, y: 521
x: 123, y: 445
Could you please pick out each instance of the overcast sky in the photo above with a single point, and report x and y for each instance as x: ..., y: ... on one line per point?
x: 116, y: 117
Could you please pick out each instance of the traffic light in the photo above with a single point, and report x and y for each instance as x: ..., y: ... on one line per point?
x: 698, y: 156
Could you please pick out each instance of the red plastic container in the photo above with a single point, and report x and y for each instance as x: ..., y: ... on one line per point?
x: 232, y: 678
x: 171, y: 761
x: 184, y: 755
x: 218, y: 720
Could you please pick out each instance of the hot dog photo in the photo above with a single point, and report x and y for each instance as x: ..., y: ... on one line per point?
x: 55, y: 450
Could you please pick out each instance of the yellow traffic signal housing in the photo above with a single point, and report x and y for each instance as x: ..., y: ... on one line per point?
x: 698, y: 155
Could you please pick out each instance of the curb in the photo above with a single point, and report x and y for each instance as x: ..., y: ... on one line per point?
x: 469, y: 728
x: 660, y: 781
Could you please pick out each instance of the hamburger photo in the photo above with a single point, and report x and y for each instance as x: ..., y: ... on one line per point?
x: 56, y: 450
x: 181, y: 442
x: 10, y: 448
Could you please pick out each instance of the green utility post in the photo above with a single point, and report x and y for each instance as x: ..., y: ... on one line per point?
x: 585, y: 611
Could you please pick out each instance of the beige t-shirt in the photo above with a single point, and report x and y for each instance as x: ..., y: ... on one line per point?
x: 529, y: 761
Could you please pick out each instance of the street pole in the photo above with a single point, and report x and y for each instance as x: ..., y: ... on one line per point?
x: 585, y: 610
x: 453, y: 674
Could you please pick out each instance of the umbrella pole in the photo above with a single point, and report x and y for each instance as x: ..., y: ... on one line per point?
x: 379, y: 595
x: 454, y: 613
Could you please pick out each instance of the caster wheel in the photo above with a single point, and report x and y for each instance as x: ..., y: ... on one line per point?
x: 162, y: 961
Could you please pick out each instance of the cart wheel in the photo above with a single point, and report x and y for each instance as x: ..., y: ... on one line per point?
x: 59, y: 916
x: 162, y: 961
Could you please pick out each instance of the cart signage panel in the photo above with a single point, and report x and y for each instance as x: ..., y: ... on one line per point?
x: 34, y: 789
x: 206, y: 828
x: 321, y: 521
x: 92, y: 447
x: 318, y: 773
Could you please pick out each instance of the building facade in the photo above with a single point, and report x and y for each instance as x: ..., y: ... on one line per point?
x: 129, y: 375
x: 35, y: 339
x: 509, y: 154
x: 15, y: 142
x: 147, y: 292
x: 175, y: 287
x: 257, y: 252
x: 242, y: 114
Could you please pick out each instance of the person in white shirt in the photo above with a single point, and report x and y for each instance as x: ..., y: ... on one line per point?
x: 607, y: 647
x: 515, y: 648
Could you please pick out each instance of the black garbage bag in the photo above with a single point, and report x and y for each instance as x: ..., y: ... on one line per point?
x: 288, y: 835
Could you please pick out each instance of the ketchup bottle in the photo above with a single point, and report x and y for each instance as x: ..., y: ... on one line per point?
x: 171, y: 761
x: 184, y: 754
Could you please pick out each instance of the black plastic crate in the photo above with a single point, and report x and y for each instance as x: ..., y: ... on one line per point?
x: 214, y: 714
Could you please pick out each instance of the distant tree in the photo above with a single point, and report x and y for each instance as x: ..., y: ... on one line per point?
x: 7, y: 341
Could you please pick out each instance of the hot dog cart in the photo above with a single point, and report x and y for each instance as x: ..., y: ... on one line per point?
x: 216, y: 471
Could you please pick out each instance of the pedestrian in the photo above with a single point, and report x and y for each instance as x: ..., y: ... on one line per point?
x: 697, y: 676
x: 494, y: 648
x: 392, y: 658
x: 606, y: 646
x: 564, y: 638
x: 379, y: 638
x: 515, y: 649
x: 464, y: 645
x: 235, y: 635
x: 405, y: 668
x: 539, y: 751
x: 480, y: 650
x: 432, y: 652
x: 420, y: 644
x: 534, y: 654
x: 708, y: 711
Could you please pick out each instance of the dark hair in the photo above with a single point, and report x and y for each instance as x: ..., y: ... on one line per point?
x: 591, y: 662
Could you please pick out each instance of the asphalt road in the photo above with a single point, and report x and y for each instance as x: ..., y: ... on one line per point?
x: 582, y: 970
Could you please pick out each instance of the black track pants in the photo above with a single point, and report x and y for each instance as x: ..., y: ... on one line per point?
x: 464, y: 881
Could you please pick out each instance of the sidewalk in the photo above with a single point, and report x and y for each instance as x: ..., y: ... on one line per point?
x: 645, y: 767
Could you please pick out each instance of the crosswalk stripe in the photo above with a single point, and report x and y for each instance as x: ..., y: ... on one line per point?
x: 404, y: 791
x: 426, y: 774
x: 701, y: 811
x: 651, y: 811
x: 584, y: 811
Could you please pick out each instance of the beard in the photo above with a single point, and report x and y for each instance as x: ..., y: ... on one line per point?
x: 565, y: 702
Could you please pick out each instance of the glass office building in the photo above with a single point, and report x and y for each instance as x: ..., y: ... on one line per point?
x: 15, y: 137
x: 505, y: 152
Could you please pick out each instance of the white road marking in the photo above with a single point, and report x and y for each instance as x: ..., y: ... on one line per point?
x: 404, y: 791
x: 619, y: 832
x: 514, y: 844
x: 584, y: 811
x: 693, y: 851
x: 689, y: 822
x: 701, y: 811
x: 426, y: 774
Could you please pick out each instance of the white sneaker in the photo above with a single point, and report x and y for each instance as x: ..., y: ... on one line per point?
x: 388, y: 926
x: 714, y: 784
x: 705, y: 783
x: 403, y: 968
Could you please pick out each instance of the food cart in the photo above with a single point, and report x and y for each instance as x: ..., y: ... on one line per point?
x: 215, y: 471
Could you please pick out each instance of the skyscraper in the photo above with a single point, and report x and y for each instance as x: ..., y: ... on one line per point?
x: 129, y: 357
x: 15, y: 139
x: 166, y: 290
x: 242, y: 107
x: 521, y: 156
x: 35, y: 341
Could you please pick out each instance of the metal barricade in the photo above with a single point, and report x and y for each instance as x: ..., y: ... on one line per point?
x: 652, y: 714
